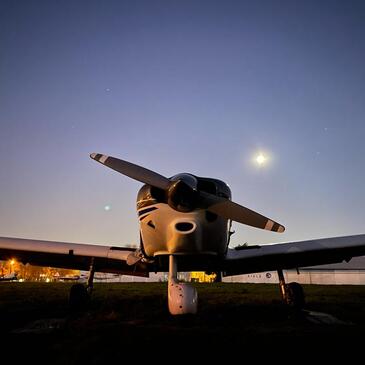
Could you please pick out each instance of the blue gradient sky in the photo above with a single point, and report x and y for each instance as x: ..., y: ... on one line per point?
x: 181, y: 86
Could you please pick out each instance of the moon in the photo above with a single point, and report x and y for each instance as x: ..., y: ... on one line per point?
x: 260, y: 159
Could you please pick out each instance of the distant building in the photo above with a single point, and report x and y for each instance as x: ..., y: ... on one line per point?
x: 202, y: 277
x: 351, y: 273
x: 116, y: 278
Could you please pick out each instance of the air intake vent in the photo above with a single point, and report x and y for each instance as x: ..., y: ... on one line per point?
x: 184, y: 226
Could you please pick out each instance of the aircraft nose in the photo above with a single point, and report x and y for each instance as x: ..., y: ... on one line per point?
x: 184, y: 236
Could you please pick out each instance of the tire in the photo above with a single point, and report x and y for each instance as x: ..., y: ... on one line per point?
x: 295, y: 295
x: 79, y: 297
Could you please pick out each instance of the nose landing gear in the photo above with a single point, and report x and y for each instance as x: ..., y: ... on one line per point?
x: 182, y: 297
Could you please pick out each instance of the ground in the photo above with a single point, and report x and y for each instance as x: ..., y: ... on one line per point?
x: 132, y: 318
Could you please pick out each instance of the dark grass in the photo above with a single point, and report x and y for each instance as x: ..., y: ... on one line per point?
x: 133, y: 318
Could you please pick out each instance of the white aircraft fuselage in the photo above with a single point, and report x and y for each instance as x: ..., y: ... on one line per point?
x: 165, y: 231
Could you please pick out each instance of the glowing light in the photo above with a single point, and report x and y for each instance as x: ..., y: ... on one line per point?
x: 107, y: 207
x: 12, y: 262
x: 261, y: 159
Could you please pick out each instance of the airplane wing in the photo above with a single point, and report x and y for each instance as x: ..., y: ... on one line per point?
x: 120, y: 260
x: 291, y: 255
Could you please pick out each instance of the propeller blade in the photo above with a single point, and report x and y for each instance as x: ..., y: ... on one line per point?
x: 133, y: 171
x: 221, y: 206
x: 231, y: 210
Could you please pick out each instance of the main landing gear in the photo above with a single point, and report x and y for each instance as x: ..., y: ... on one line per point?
x: 182, y: 297
x: 292, y: 293
x: 80, y: 294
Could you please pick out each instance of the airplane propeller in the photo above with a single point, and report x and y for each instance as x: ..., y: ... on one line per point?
x: 183, y: 195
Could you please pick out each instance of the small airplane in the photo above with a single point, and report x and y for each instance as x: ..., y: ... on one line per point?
x: 185, y: 225
x: 10, y: 277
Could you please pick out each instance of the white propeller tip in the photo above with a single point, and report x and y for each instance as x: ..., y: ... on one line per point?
x: 99, y: 157
x: 272, y: 226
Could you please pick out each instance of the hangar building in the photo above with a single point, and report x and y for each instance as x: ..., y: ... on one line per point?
x: 351, y: 273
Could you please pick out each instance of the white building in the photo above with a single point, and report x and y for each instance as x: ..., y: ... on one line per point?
x: 351, y: 273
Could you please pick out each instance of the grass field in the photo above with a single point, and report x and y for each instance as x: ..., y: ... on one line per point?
x: 35, y: 318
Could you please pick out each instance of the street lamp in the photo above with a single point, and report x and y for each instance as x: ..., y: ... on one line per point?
x: 12, y: 262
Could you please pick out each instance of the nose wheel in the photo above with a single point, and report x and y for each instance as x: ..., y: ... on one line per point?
x: 182, y: 297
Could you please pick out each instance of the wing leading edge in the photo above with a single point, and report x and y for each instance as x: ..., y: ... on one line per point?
x: 71, y: 255
x: 238, y: 261
x: 292, y: 255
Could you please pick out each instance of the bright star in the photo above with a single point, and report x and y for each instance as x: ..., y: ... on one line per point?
x: 107, y: 207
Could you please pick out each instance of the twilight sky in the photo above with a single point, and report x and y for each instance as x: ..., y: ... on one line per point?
x: 181, y: 86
